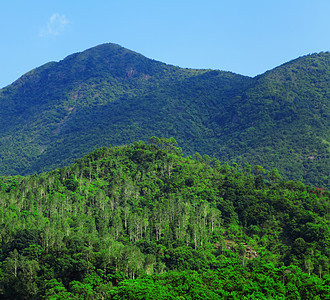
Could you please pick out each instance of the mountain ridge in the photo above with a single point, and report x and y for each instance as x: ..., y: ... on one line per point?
x: 111, y: 95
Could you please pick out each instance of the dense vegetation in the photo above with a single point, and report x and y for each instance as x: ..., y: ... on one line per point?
x: 143, y: 222
x: 110, y: 95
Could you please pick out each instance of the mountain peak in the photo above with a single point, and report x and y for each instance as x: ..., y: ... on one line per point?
x: 103, y: 51
x: 111, y: 95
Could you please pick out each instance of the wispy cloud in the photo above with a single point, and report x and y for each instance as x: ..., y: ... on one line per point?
x: 55, y: 25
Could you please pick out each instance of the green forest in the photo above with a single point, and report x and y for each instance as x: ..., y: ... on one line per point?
x: 143, y: 221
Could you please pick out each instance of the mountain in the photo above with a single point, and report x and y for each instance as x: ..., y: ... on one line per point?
x: 141, y: 221
x: 109, y: 95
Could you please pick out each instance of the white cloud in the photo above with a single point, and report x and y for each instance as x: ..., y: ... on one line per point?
x: 55, y: 25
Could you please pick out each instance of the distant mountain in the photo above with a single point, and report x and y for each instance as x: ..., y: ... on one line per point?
x: 111, y: 95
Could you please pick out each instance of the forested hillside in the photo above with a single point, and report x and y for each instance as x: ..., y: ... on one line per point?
x: 109, y: 95
x: 143, y: 222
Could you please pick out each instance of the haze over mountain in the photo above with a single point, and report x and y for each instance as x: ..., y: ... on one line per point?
x: 110, y: 95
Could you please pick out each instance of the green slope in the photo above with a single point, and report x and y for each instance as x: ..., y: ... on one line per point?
x: 110, y: 95
x: 283, y: 121
x: 142, y: 222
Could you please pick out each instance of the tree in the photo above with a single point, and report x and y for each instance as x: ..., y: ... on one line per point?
x: 56, y: 290
x: 259, y: 169
x: 274, y: 175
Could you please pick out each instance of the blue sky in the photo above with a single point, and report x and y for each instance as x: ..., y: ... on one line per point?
x: 245, y: 37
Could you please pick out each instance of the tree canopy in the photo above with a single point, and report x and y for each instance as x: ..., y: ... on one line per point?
x: 143, y: 222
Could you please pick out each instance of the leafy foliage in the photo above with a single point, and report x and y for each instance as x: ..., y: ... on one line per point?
x: 143, y: 222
